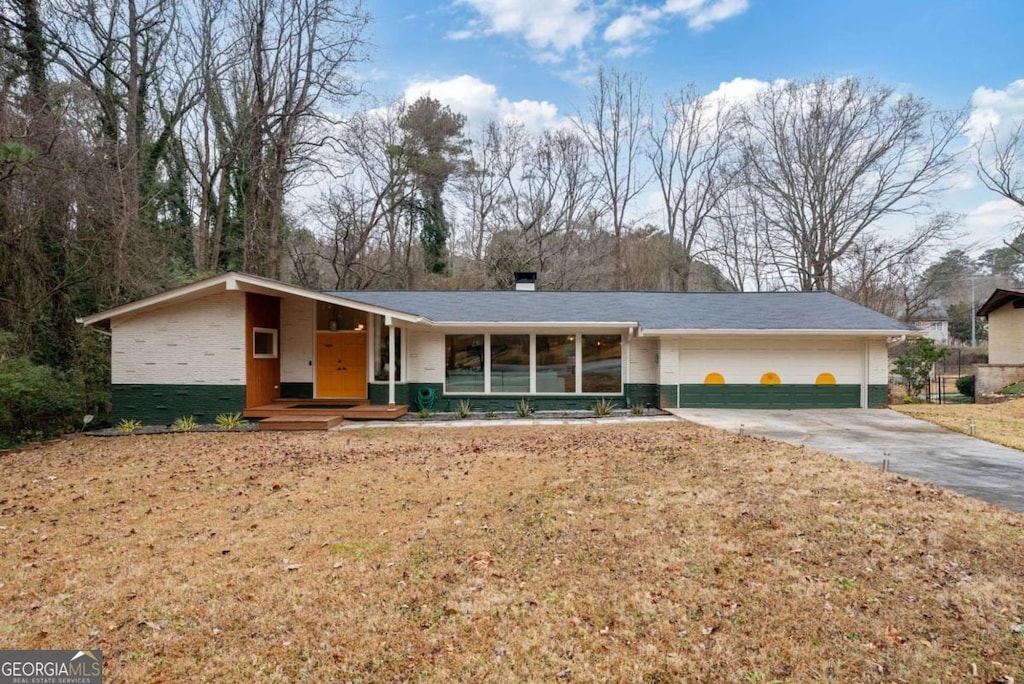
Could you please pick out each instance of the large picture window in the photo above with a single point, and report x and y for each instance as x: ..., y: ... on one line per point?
x: 556, y: 363
x: 510, y: 363
x: 602, y: 363
x: 464, y: 363
x: 533, y: 364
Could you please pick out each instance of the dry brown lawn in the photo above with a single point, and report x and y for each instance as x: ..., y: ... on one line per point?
x: 633, y: 553
x: 1001, y: 423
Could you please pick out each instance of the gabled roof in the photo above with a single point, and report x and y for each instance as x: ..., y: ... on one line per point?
x: 653, y: 311
x: 649, y: 312
x: 224, y: 282
x: 1000, y: 297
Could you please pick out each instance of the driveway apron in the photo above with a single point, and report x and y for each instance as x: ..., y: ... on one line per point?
x: 913, y: 447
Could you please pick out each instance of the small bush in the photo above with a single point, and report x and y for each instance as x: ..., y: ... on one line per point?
x: 36, y: 402
x: 425, y: 413
x: 229, y: 421
x: 637, y: 409
x: 185, y: 424
x: 604, y: 408
x: 523, y: 408
x: 965, y: 385
x: 463, y: 409
x: 128, y: 425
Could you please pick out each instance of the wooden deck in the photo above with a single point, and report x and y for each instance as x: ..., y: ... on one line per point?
x: 299, y: 423
x: 319, y: 414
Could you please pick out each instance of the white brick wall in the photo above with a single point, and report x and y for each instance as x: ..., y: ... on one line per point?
x: 425, y: 356
x: 296, y: 339
x: 743, y: 359
x: 878, y: 373
x: 199, y: 342
x: 668, y: 357
x: 643, y: 365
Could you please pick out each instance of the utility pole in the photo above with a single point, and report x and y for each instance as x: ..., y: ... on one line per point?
x: 974, y: 334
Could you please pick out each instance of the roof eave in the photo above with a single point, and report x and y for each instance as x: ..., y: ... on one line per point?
x: 233, y: 281
x: 867, y: 332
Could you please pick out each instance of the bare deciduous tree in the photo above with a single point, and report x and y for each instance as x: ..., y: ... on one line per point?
x: 1003, y: 172
x: 613, y: 126
x: 690, y: 149
x: 832, y: 159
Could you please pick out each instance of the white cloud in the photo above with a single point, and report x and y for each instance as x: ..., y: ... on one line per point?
x: 995, y: 110
x: 707, y: 14
x: 992, y: 221
x: 640, y: 22
x: 558, y: 25
x: 632, y: 26
x: 481, y: 104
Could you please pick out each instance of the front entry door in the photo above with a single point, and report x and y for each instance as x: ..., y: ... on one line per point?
x: 341, y: 364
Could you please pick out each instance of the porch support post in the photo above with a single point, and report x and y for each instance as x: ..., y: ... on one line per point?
x: 388, y: 321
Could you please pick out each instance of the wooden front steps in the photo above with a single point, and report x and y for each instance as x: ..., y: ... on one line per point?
x: 319, y: 414
x: 293, y: 422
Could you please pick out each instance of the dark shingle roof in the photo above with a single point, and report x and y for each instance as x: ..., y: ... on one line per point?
x: 652, y: 310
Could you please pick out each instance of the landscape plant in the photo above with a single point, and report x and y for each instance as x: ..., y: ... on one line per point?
x: 185, y: 424
x: 523, y: 408
x: 463, y: 409
x: 229, y: 421
x: 603, y: 408
x: 916, y: 362
x: 126, y: 426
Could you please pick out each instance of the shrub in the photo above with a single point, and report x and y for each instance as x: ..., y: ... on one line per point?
x: 128, y: 425
x: 229, y: 421
x: 523, y: 408
x: 637, y: 409
x: 36, y: 402
x: 463, y: 409
x: 185, y: 424
x: 425, y: 413
x: 916, y: 362
x: 604, y: 408
x: 965, y: 385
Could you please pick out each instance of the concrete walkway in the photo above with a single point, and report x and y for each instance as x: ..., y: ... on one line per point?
x: 913, y: 447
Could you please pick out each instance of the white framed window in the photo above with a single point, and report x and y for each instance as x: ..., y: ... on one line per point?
x: 534, y: 364
x: 264, y: 343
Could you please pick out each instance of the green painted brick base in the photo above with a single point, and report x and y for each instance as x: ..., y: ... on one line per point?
x: 297, y: 390
x: 162, y: 404
x: 634, y: 394
x: 777, y: 396
x: 378, y: 394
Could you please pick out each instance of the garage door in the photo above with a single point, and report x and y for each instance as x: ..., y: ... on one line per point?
x: 770, y: 372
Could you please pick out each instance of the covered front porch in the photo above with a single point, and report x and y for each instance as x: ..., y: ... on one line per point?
x: 313, y: 361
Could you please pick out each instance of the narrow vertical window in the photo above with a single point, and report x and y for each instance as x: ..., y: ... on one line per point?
x: 381, y: 358
x: 602, y: 363
x: 464, y: 363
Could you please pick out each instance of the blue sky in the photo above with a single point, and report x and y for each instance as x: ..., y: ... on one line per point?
x: 531, y: 58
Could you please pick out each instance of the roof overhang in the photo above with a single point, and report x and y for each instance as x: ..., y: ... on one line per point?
x: 1001, y: 297
x: 240, y: 282
x: 777, y: 332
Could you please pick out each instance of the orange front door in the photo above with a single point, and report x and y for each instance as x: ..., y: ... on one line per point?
x: 341, y: 364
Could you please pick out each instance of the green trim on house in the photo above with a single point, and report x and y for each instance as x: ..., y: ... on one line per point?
x: 878, y: 396
x: 668, y: 396
x: 296, y: 390
x: 634, y: 393
x: 377, y: 393
x: 769, y: 396
x: 644, y: 394
x: 162, y: 404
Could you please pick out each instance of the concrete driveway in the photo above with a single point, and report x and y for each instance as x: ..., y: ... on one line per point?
x: 927, y: 452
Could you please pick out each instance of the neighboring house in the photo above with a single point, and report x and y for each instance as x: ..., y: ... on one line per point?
x: 1004, y: 310
x: 236, y: 342
x: 934, y: 321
